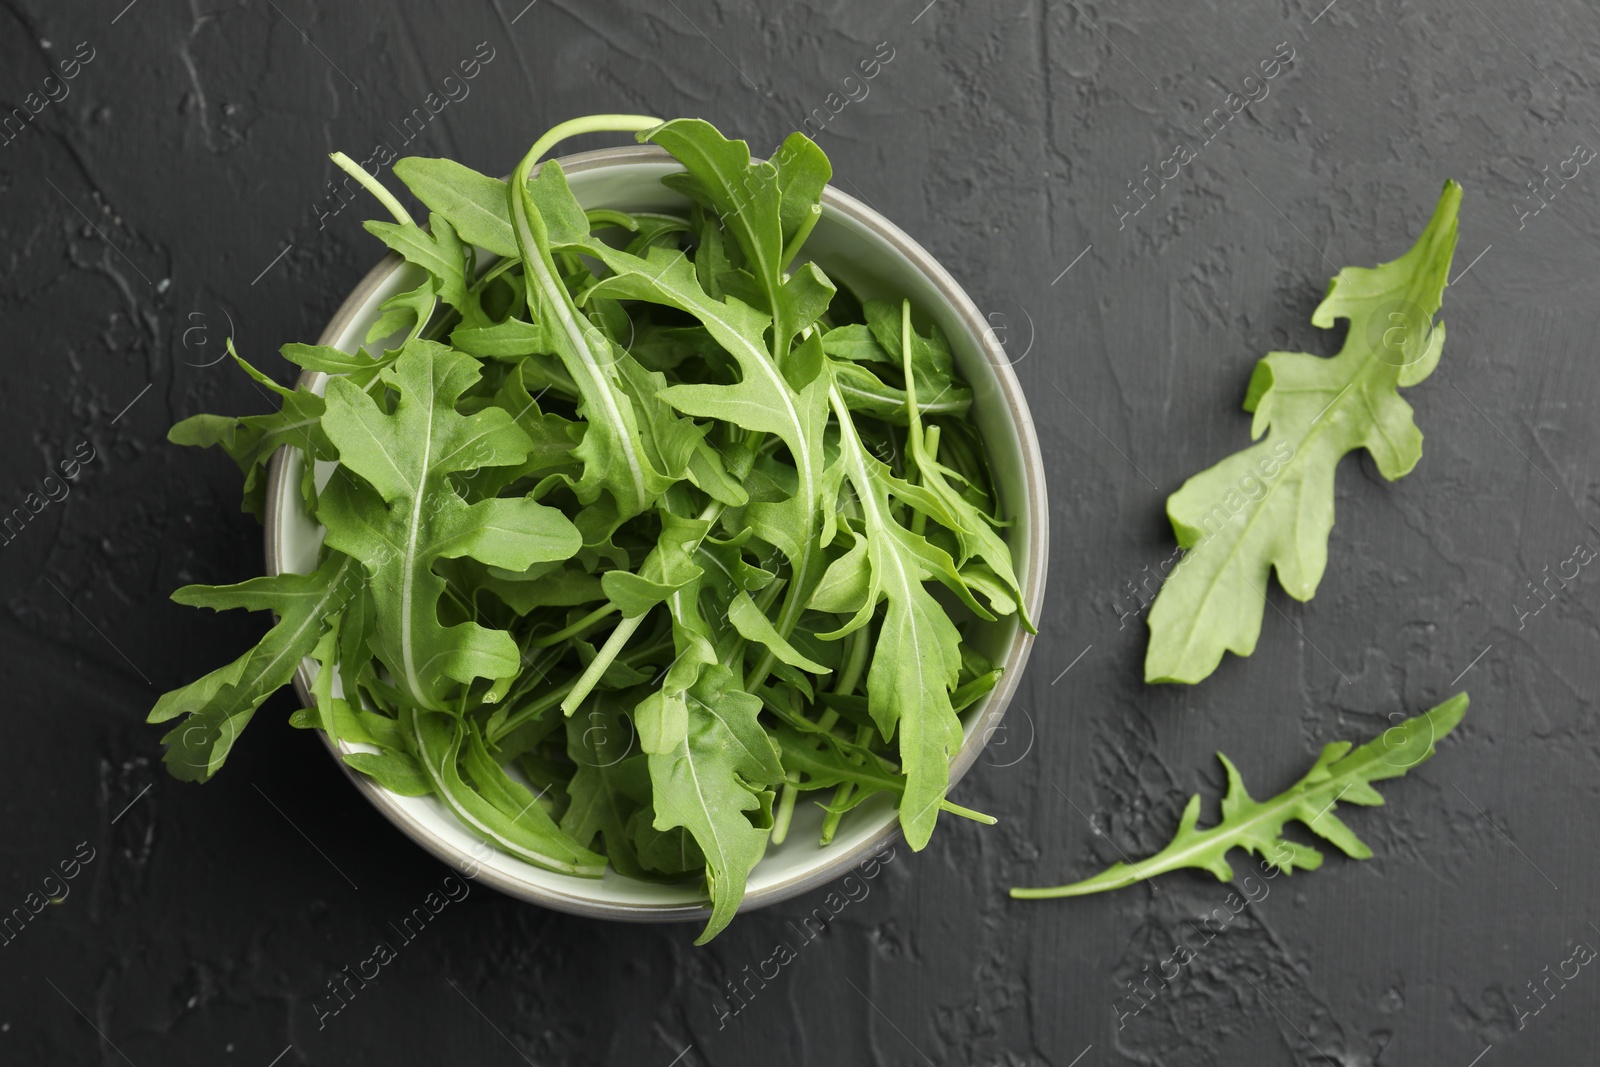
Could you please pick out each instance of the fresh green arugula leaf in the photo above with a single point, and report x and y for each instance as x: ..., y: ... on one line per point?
x: 215, y: 709
x: 1270, y: 507
x: 251, y: 440
x: 437, y: 740
x: 918, y: 656
x: 1340, y: 774
x: 971, y: 528
x: 711, y: 780
x: 437, y: 250
x: 615, y: 453
x: 404, y: 514
x: 474, y: 204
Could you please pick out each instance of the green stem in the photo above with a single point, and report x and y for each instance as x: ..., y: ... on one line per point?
x: 807, y: 224
x: 545, y: 701
x: 967, y: 813
x: 576, y: 628
x: 855, y: 660
x: 785, y: 812
x: 919, y: 519
x: 830, y: 820
x: 585, y: 124
x: 791, y: 789
x: 1100, y: 883
x: 601, y: 217
x: 585, y: 683
x: 372, y: 185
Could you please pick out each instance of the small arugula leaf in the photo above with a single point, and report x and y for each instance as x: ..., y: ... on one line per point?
x: 414, y: 306
x: 251, y: 440
x: 868, y: 394
x: 1340, y: 774
x: 614, y: 451
x: 970, y: 526
x: 404, y: 515
x: 510, y: 339
x: 437, y: 250
x: 398, y: 772
x: 753, y: 626
x: 437, y: 739
x: 610, y: 785
x: 710, y: 779
x: 855, y: 342
x: 475, y: 204
x: 361, y: 366
x: 1270, y: 507
x: 917, y: 661
x: 216, y: 708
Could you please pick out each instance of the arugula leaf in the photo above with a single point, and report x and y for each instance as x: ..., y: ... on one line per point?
x: 474, y: 204
x: 971, y: 528
x: 1270, y: 507
x: 917, y: 660
x: 437, y: 250
x: 215, y: 709
x: 529, y: 835
x: 610, y: 785
x: 251, y: 440
x: 617, y: 394
x: 710, y: 779
x: 1340, y: 774
x: 404, y: 515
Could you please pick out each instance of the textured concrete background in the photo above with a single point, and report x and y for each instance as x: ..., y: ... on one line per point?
x: 172, y: 196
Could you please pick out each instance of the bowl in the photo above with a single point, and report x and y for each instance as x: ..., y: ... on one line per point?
x: 857, y: 247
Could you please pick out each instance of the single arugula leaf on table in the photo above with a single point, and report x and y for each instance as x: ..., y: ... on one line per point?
x: 1320, y: 409
x: 1341, y: 774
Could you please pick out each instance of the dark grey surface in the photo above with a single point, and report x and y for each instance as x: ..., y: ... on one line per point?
x: 141, y: 216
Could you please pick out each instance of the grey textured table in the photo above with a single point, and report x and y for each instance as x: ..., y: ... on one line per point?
x: 174, y: 191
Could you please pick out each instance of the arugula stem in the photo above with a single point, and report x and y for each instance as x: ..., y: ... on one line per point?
x: 919, y: 519
x: 807, y: 224
x: 967, y: 813
x: 785, y: 812
x: 791, y: 788
x: 584, y: 684
x: 590, y: 677
x: 830, y: 819
x: 372, y: 185
x: 576, y: 629
x: 587, y: 124
x: 849, y: 675
x: 545, y: 701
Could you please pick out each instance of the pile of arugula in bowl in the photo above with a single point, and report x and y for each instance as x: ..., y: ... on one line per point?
x: 626, y: 476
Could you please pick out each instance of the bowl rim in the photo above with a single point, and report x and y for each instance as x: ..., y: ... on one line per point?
x: 836, y: 864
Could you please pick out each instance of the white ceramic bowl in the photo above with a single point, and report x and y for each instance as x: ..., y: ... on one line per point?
x: 857, y: 247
